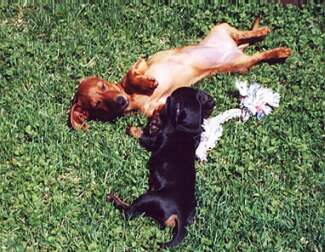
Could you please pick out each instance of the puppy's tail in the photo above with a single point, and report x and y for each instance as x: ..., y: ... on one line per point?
x: 179, y: 232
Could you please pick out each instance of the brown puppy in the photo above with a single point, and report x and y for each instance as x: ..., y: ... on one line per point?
x: 149, y: 82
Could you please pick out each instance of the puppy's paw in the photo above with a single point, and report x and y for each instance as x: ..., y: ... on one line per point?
x: 263, y: 31
x: 114, y: 198
x: 151, y: 83
x: 155, y: 123
x: 110, y: 197
x: 135, y: 132
x: 281, y: 53
x: 140, y: 67
x: 284, y: 52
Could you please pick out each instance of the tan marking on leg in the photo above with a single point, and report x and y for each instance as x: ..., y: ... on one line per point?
x: 135, y: 132
x: 117, y: 201
x: 171, y: 221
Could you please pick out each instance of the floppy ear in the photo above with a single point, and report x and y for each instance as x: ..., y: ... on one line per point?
x: 207, y: 103
x: 189, y: 122
x: 172, y: 109
x: 78, y: 116
x: 184, y: 119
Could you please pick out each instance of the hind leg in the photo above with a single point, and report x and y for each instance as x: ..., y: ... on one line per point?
x: 243, y: 37
x: 118, y: 203
x: 269, y: 56
x: 137, y: 207
x: 154, y: 205
x: 257, y: 33
x: 240, y: 37
x: 143, y: 204
x: 243, y: 63
x: 148, y: 203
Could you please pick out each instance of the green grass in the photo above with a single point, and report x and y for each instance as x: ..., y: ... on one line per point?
x: 262, y: 188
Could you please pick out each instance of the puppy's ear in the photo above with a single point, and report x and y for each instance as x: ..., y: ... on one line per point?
x: 169, y: 107
x: 183, y: 119
x: 78, y: 115
x: 207, y: 103
x: 173, y: 110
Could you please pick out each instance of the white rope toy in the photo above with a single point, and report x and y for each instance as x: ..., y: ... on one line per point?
x: 255, y: 101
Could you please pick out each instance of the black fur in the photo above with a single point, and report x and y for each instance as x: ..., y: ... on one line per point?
x: 172, y: 137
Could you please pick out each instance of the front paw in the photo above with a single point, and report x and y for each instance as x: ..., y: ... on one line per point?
x: 140, y: 67
x: 151, y: 83
x: 155, y: 123
x: 135, y: 132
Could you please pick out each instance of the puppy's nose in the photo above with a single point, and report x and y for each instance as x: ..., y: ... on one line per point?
x: 121, y: 101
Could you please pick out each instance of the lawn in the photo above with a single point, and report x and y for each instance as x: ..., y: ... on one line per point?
x: 261, y: 189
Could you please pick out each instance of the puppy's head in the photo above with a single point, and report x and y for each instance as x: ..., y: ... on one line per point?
x: 96, y: 99
x: 187, y: 107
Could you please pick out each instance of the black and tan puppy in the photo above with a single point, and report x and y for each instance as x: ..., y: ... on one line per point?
x: 172, y: 136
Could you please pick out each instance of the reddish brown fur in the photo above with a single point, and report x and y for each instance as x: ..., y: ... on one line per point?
x: 148, y: 83
x: 171, y: 221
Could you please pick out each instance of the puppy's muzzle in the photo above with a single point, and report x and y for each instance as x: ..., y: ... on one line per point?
x: 121, y: 102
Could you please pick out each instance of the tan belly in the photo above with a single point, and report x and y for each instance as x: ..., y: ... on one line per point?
x: 184, y: 67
